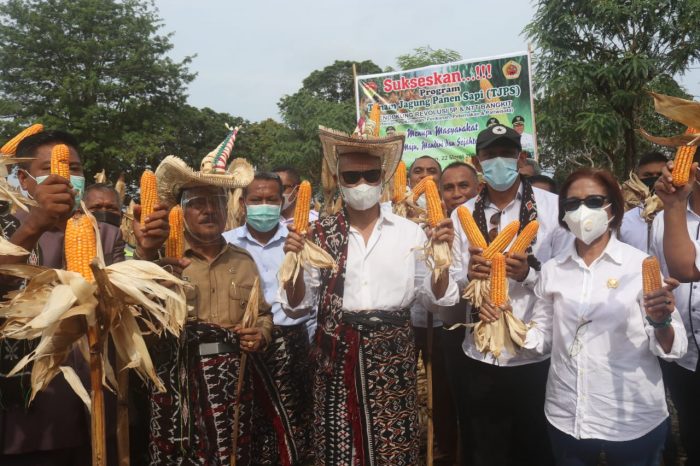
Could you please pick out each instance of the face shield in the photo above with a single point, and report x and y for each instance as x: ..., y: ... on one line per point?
x: 204, y: 213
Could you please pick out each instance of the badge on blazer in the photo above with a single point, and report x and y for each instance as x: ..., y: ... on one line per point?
x: 612, y: 283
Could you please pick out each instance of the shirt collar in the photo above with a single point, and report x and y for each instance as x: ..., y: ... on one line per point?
x: 280, y: 234
x: 612, y: 251
x: 518, y: 197
x: 189, y: 252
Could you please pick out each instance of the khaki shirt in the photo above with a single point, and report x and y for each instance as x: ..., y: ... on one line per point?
x: 222, y: 288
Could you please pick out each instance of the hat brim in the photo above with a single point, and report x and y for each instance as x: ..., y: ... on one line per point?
x: 173, y: 175
x: 388, y: 149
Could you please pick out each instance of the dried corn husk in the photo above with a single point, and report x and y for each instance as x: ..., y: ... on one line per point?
x: 310, y: 256
x: 508, y: 333
x: 680, y: 110
x: 101, y: 177
x: 57, y: 306
x: 437, y: 256
x: 120, y: 187
x: 14, y: 197
x: 477, y: 291
x: 127, y: 225
x: 10, y: 249
x: 235, y: 216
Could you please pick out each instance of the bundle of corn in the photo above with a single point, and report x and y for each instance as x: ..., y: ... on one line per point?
x: 311, y: 255
x: 56, y: 304
x: 149, y: 193
x: 477, y: 290
x: 506, y: 332
x: 175, y: 244
x: 437, y: 253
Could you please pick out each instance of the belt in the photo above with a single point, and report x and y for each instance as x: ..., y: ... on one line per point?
x: 208, y: 349
x: 376, y: 318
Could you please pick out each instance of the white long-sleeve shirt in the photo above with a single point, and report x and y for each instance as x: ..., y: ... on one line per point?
x: 687, y: 294
x: 604, y: 379
x: 388, y: 273
x: 551, y: 240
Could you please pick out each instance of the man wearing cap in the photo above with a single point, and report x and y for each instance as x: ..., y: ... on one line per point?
x: 492, y: 121
x: 193, y: 422
x: 504, y: 420
x: 365, y: 379
x: 527, y: 142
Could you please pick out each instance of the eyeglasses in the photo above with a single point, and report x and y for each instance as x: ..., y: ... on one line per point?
x: 494, y: 221
x: 353, y: 177
x: 592, y: 202
x: 576, y: 343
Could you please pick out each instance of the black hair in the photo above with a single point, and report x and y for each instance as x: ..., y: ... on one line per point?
x: 104, y: 188
x: 544, y: 179
x: 291, y: 171
x: 426, y: 157
x: 29, y: 145
x: 267, y: 176
x: 652, y: 157
x: 458, y: 165
x: 606, y: 180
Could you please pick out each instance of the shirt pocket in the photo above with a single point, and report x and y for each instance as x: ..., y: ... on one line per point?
x: 239, y: 295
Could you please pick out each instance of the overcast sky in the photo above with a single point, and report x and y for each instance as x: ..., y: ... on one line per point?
x: 249, y: 54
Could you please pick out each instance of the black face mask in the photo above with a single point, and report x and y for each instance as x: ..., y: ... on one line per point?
x: 649, y: 182
x: 108, y: 217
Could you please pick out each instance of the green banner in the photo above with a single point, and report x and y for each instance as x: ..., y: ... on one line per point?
x: 442, y: 108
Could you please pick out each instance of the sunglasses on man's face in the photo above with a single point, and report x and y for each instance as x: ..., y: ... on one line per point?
x: 353, y: 177
x: 592, y: 202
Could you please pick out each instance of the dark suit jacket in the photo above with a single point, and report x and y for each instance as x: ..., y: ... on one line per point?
x: 56, y: 418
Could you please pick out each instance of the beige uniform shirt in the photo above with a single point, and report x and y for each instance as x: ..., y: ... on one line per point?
x: 222, y: 288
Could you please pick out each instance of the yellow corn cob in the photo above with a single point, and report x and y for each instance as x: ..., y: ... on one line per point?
x: 502, y: 240
x: 432, y: 196
x: 301, y: 210
x: 525, y: 238
x: 175, y: 244
x: 476, y: 239
x: 376, y: 116
x: 499, y: 283
x: 399, y: 183
x: 80, y: 246
x: 10, y: 147
x: 149, y: 195
x: 60, y: 156
x: 419, y: 188
x: 683, y: 162
x: 651, y: 275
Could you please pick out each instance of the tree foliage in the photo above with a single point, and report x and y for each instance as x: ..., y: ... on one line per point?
x: 97, y: 68
x: 425, y: 56
x: 594, y: 62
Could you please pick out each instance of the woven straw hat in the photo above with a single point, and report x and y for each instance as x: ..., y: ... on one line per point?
x: 389, y: 149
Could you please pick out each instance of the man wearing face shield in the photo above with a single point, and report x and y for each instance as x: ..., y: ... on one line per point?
x: 287, y: 356
x: 193, y: 421
x: 290, y: 182
x: 503, y: 417
x: 365, y: 378
x: 54, y: 429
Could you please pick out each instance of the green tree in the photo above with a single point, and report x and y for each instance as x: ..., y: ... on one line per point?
x: 327, y: 97
x: 425, y: 56
x: 595, y: 60
x: 97, y: 68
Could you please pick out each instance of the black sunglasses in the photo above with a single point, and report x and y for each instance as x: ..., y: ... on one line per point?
x: 592, y: 202
x: 370, y: 176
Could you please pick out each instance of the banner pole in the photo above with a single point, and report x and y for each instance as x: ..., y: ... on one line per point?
x: 532, y: 101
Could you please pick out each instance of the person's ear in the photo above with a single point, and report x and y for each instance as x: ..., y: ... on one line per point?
x: 522, y: 156
x: 23, y: 179
x: 477, y: 164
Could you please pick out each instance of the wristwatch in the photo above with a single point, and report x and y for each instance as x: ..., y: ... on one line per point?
x: 665, y: 323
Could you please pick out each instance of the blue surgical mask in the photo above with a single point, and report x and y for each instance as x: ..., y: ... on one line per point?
x: 78, y: 183
x: 500, y: 173
x: 263, y: 217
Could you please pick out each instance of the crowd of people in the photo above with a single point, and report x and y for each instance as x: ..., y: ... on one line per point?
x: 326, y: 374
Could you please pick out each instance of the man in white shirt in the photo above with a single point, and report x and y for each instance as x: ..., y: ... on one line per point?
x: 287, y: 356
x: 527, y: 142
x: 290, y: 182
x: 636, y: 223
x: 505, y: 422
x: 676, y: 242
x: 365, y: 381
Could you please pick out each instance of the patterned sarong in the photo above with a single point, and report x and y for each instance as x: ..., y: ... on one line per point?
x: 365, y: 398
x: 287, y: 361
x: 192, y: 422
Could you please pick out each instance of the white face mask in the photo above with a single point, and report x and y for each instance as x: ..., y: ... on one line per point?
x: 363, y: 196
x: 587, y: 224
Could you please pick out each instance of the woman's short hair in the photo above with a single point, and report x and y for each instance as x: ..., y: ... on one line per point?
x: 607, y: 181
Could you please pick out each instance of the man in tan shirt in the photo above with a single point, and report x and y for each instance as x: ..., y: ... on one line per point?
x: 193, y: 422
